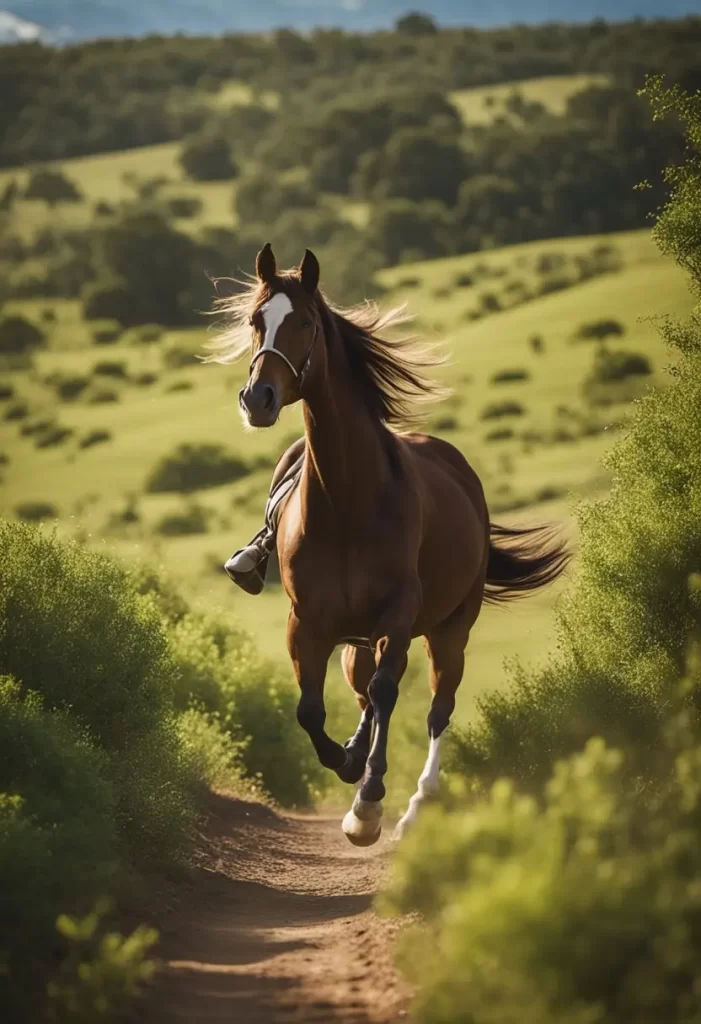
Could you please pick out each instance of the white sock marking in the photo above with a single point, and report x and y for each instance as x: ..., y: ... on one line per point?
x: 428, y: 786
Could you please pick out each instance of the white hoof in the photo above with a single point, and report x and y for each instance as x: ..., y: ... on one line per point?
x: 362, y: 825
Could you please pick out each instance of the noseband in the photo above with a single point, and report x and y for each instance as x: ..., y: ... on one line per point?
x: 299, y: 375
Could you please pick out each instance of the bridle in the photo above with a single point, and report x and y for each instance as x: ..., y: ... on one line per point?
x: 299, y: 375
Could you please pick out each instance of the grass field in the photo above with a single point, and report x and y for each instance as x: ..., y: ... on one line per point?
x: 558, y: 463
x: 537, y: 455
x: 485, y: 104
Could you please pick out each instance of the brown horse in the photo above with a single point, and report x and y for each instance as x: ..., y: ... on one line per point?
x: 387, y: 535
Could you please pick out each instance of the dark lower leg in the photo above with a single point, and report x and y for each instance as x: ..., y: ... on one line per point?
x: 358, y: 746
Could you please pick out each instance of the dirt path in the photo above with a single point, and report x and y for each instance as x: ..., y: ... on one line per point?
x: 277, y: 926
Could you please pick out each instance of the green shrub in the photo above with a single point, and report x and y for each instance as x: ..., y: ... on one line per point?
x: 599, y: 330
x: 52, y: 436
x: 585, y: 910
x: 17, y: 411
x: 102, y: 973
x: 194, y: 466
x: 208, y: 157
x: 184, y: 206
x: 444, y: 423
x: 36, y: 511
x: 537, y: 343
x: 52, y: 186
x: 6, y: 391
x: 106, y: 332
x: 144, y: 334
x: 500, y: 434
x: 57, y: 834
x: 108, y: 299
x: 615, y: 366
x: 193, y: 519
x: 178, y: 356
x: 102, y: 396
x: 464, y: 280
x: 111, y: 368
x: 61, y: 607
x: 178, y: 386
x: 217, y: 756
x: 94, y: 437
x: 496, y: 410
x: 220, y: 670
x: 71, y: 386
x: 510, y: 376
x: 19, y: 336
x: 554, y: 283
x: 144, y: 380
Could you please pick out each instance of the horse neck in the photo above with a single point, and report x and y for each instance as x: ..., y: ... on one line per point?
x: 346, y: 457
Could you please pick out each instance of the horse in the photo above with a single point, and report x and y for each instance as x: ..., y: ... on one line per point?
x: 386, y: 536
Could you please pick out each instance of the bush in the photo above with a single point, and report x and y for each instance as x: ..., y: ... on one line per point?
x: 599, y: 330
x: 19, y: 336
x: 193, y: 519
x: 611, y: 367
x: 220, y: 670
x: 496, y: 410
x: 585, y: 910
x: 70, y: 387
x: 108, y: 299
x: 6, y: 391
x: 144, y: 334
x: 102, y: 396
x: 17, y: 411
x: 57, y: 835
x: 208, y: 158
x: 194, y: 466
x: 537, y: 344
x: 444, y: 423
x: 178, y: 356
x: 106, y: 332
x: 52, y: 186
x: 184, y: 206
x: 554, y: 283
x: 144, y: 380
x: 95, y: 437
x: 510, y: 376
x: 36, y: 511
x: 111, y: 368
x: 500, y: 434
x: 179, y: 385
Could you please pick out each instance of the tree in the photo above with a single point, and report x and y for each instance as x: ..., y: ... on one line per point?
x: 417, y: 24
x: 19, y: 336
x: 52, y: 186
x: 400, y: 229
x: 416, y: 164
x: 208, y: 158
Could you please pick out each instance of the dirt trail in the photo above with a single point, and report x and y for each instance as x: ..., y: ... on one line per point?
x: 277, y: 926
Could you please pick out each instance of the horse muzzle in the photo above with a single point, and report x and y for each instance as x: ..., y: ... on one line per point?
x: 260, y: 403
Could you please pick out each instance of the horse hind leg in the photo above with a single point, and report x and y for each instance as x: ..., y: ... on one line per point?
x: 446, y: 650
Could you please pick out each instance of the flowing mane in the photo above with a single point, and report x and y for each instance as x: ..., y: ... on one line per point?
x: 390, y: 375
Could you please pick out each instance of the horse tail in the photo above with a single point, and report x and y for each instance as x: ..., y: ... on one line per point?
x: 522, y: 560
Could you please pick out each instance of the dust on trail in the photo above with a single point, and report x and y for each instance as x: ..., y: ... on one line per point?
x: 277, y: 926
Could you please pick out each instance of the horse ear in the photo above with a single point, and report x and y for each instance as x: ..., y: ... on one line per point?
x: 309, y: 272
x: 265, y: 264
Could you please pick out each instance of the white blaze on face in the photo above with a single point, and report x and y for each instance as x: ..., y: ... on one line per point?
x: 274, y: 312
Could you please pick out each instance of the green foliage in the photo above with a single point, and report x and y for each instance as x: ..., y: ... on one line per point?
x: 192, y: 467
x: 107, y: 299
x: 220, y: 670
x: 105, y: 332
x: 96, y: 436
x: 207, y: 157
x: 57, y: 833
x: 497, y: 410
x: 52, y: 186
x: 599, y: 330
x: 111, y: 368
x: 192, y: 519
x: 510, y: 376
x: 215, y: 753
x: 584, y: 911
x: 19, y: 335
x: 614, y: 366
x: 102, y: 973
x: 36, y: 511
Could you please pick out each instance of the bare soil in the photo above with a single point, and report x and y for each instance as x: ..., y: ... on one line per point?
x: 276, y: 925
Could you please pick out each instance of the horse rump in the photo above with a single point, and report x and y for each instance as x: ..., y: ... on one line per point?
x: 523, y: 559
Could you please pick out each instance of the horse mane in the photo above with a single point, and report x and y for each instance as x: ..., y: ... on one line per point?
x: 389, y: 374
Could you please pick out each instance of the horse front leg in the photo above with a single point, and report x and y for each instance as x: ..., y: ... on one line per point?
x: 310, y: 652
x: 362, y: 824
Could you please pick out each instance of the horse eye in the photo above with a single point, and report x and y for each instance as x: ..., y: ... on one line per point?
x: 306, y: 323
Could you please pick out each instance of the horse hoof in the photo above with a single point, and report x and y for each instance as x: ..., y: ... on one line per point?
x: 361, y: 833
x: 364, y: 840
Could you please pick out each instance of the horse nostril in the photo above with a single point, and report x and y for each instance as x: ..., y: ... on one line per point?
x: 268, y: 397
